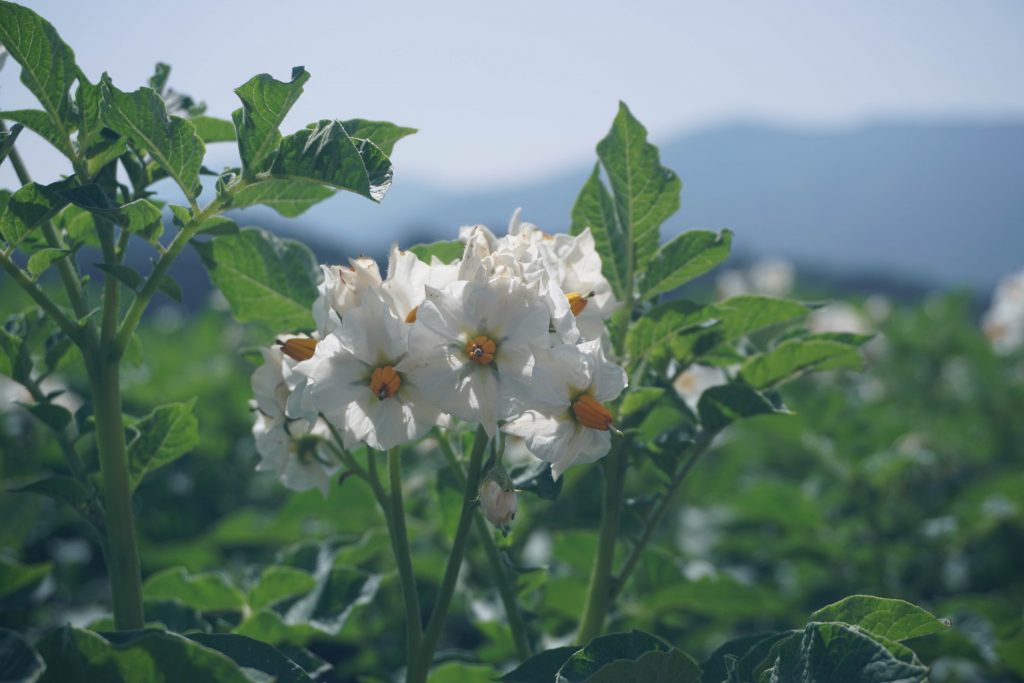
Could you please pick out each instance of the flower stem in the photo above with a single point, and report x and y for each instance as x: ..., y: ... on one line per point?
x: 506, y: 585
x: 122, y: 551
x: 600, y: 590
x: 403, y: 557
x: 419, y: 666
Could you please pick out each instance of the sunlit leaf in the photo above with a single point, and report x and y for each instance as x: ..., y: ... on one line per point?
x: 381, y: 133
x: 886, y: 617
x: 166, y: 434
x: 289, y: 198
x: 206, y: 592
x: 265, y: 103
x: 681, y: 259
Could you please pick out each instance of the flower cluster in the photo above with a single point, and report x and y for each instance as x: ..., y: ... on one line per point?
x: 510, y: 336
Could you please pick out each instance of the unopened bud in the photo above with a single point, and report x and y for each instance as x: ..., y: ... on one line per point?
x: 498, y: 498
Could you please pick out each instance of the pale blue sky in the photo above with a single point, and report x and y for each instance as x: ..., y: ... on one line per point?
x: 510, y: 91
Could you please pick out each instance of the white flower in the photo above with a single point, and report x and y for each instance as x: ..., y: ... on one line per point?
x: 470, y: 348
x: 567, y: 422
x: 1003, y: 322
x: 357, y: 383
x: 404, y: 288
x: 289, y: 445
x: 695, y: 380
x: 498, y: 503
x: 342, y: 289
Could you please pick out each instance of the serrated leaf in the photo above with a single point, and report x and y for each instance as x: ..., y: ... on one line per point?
x: 29, y: 207
x: 171, y: 141
x: 212, y: 129
x: 166, y: 434
x: 290, y: 198
x: 446, y: 251
x: 683, y: 258
x: 381, y: 133
x: 265, y: 279
x: 62, y: 489
x: 141, y: 216
x: 19, y: 663
x: 885, y: 617
x: 278, y: 583
x: 146, y: 656
x: 595, y: 209
x: 43, y: 259
x: 720, y: 406
x: 604, y: 650
x: 15, y: 576
x: 206, y: 591
x: 797, y: 356
x: 651, y: 335
x: 42, y: 124
x: 265, y: 103
x: 542, y: 666
x: 8, y: 138
x: 827, y: 652
x: 47, y: 64
x: 126, y: 275
x: 255, y: 655
x: 326, y: 155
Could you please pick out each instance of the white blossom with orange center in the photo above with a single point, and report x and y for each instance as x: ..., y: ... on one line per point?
x: 286, y: 434
x: 568, y: 422
x: 470, y: 348
x: 357, y: 383
x: 404, y: 288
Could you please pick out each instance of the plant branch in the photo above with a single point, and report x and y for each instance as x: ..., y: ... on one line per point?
x: 67, y: 326
x: 506, y: 586
x: 403, y: 556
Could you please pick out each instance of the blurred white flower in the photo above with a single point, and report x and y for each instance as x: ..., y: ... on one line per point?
x: 772, y: 276
x: 838, y: 316
x: 730, y: 283
x: 1003, y: 322
x: 567, y: 422
x: 470, y: 348
x: 695, y: 380
x: 357, y: 381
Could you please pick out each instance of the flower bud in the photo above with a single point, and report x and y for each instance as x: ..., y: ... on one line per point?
x: 498, y: 501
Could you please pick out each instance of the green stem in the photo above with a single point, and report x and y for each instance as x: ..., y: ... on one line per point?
x: 122, y: 551
x: 67, y: 326
x: 506, y: 585
x: 599, y: 591
x: 403, y: 557
x: 419, y: 666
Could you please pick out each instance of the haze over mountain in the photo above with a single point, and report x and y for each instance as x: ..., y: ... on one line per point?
x: 939, y: 202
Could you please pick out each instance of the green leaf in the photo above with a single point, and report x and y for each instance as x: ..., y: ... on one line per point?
x: 14, y: 576
x: 47, y: 64
x: 289, y: 198
x: 62, y: 489
x: 681, y: 259
x: 147, y: 656
x: 651, y: 667
x: 886, y: 617
x: 720, y: 406
x: 80, y: 226
x: 211, y: 129
x: 166, y: 434
x: 206, y: 592
x: 604, y: 650
x: 42, y: 124
x: 43, y: 259
x: 8, y: 138
x: 326, y: 155
x: 279, y: 583
x: 158, y: 81
x: 381, y: 133
x: 639, y: 400
x: 170, y: 287
x: 797, y: 356
x: 218, y: 225
x: 19, y: 663
x: 29, y: 207
x: 171, y: 141
x: 539, y: 481
x: 265, y: 103
x: 595, y: 209
x: 541, y: 667
x: 644, y: 194
x: 459, y: 672
x: 265, y: 279
x: 651, y: 335
x: 254, y: 654
x: 100, y: 145
x: 715, y: 667
x: 836, y: 652
x: 143, y: 218
x: 445, y: 251
x: 53, y: 416
x: 126, y: 275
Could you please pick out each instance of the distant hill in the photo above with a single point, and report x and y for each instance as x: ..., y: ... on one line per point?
x: 934, y: 203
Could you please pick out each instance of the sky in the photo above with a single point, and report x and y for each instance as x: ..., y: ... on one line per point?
x: 509, y: 92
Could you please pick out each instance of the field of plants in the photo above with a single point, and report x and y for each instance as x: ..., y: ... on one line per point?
x: 525, y: 455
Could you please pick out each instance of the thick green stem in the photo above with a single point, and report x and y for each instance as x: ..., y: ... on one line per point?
x: 122, y: 551
x: 599, y: 592
x: 506, y: 585
x: 419, y: 666
x: 403, y: 557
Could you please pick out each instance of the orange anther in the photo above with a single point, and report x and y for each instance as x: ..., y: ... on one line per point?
x: 577, y: 301
x: 411, y: 317
x: 299, y: 348
x: 591, y: 413
x: 384, y: 382
x: 481, y: 350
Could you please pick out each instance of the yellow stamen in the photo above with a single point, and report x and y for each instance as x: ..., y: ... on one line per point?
x: 591, y: 413
x: 577, y: 301
x: 299, y: 348
x: 481, y: 350
x: 384, y: 382
x: 411, y: 317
